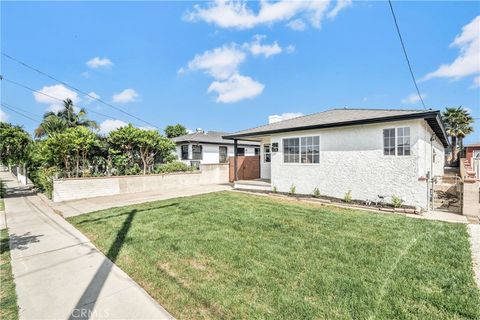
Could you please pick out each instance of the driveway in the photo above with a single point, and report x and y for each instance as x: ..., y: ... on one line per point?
x: 77, y: 207
x: 59, y: 274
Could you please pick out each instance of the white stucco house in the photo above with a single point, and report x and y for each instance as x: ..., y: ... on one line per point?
x: 209, y: 147
x: 370, y: 152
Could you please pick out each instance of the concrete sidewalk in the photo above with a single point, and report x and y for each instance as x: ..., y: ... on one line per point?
x: 59, y: 274
x: 77, y: 207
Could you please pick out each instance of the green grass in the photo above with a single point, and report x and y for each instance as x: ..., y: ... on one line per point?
x: 230, y: 255
x: 2, y: 205
x: 8, y: 297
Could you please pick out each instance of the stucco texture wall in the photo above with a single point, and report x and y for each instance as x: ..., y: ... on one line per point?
x: 71, y: 189
x: 351, y: 158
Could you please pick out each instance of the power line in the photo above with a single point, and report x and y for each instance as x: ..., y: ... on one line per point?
x: 78, y: 90
x: 18, y: 112
x: 406, y: 55
x: 50, y: 96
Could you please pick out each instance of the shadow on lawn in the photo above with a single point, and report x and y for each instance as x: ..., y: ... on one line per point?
x: 85, y: 305
x: 126, y: 213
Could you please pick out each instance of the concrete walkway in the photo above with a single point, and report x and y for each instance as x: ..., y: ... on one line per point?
x: 77, y: 207
x: 59, y: 274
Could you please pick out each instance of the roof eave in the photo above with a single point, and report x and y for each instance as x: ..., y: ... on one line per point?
x: 423, y: 115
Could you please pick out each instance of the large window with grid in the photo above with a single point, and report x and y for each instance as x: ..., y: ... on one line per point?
x: 396, y: 141
x: 403, y: 141
x: 301, y: 150
x: 310, y: 149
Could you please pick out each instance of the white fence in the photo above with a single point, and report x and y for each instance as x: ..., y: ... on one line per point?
x: 81, y: 188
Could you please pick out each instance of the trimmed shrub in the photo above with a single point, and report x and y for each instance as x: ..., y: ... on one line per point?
x: 316, y: 193
x: 175, y: 166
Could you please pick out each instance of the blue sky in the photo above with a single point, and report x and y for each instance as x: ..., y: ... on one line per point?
x: 228, y: 67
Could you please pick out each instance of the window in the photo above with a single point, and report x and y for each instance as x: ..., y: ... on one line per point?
x: 222, y: 153
x: 310, y: 149
x: 257, y: 151
x: 197, y: 152
x: 403, y: 141
x: 399, y: 146
x: 301, y: 150
x: 275, y: 147
x: 184, y: 152
x: 266, y: 153
x: 240, y: 152
x: 389, y: 142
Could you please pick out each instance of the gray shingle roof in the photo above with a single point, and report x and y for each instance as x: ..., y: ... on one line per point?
x: 209, y: 137
x: 343, y: 117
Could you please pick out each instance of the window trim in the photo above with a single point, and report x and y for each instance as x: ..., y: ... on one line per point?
x: 300, y: 148
x: 396, y: 143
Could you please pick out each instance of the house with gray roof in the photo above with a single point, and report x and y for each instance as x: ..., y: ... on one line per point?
x: 369, y: 153
x: 209, y: 147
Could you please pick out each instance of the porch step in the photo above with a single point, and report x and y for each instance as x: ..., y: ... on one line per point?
x: 257, y: 184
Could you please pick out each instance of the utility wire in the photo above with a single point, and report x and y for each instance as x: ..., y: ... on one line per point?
x: 406, y: 55
x: 50, y: 96
x: 18, y: 112
x: 78, y: 90
x: 25, y: 111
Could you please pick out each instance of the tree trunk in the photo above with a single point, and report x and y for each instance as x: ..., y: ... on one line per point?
x: 454, y: 149
x: 77, y: 156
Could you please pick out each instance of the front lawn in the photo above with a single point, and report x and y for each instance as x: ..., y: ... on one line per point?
x: 231, y: 255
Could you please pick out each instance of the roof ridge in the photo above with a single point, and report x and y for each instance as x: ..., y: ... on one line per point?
x: 383, y: 109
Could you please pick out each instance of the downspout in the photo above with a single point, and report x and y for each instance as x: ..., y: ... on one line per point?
x: 432, y: 176
x: 235, y: 164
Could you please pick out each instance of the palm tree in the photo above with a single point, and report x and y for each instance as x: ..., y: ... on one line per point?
x: 54, y: 122
x: 458, y: 124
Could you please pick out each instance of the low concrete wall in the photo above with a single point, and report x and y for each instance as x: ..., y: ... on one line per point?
x: 81, y: 188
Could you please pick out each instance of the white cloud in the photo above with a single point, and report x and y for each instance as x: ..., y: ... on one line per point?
x: 109, y: 125
x: 127, y: 95
x: 468, y: 61
x: 341, y: 4
x: 3, y: 116
x: 98, y: 62
x: 236, y: 88
x: 257, y: 48
x: 297, y: 25
x: 91, y: 97
x: 236, y: 14
x: 476, y: 82
x: 290, y: 48
x: 413, y: 98
x: 223, y: 63
x: 57, y: 91
x: 220, y: 63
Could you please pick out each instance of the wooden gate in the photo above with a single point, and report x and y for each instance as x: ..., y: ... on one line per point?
x: 248, y: 168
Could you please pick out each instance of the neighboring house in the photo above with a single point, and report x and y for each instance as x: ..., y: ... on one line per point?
x: 472, y: 154
x: 369, y: 152
x: 203, y: 147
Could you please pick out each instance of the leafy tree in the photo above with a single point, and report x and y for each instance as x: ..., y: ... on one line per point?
x: 56, y: 122
x: 139, y: 146
x: 14, y: 144
x: 173, y: 131
x: 458, y: 124
x: 70, y: 148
